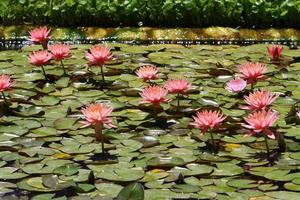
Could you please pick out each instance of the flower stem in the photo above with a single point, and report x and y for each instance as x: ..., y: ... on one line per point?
x: 44, y: 73
x: 178, y: 95
x: 267, y: 145
x: 212, y: 139
x: 4, y: 98
x: 44, y: 45
x: 252, y: 86
x: 103, y: 80
x: 62, y: 65
x: 99, y: 135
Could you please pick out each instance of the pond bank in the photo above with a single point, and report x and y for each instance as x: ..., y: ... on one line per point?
x: 150, y: 33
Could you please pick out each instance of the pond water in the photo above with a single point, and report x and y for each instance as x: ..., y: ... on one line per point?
x: 46, y: 154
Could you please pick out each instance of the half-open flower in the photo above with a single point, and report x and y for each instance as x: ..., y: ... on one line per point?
x: 59, y: 51
x: 39, y: 58
x: 147, y: 72
x: 298, y: 114
x: 261, y: 121
x: 207, y: 120
x: 252, y: 72
x: 259, y: 99
x: 236, y: 85
x: 154, y: 95
x: 275, y: 52
x: 40, y: 36
x: 98, y: 55
x: 5, y: 82
x: 177, y: 86
x: 97, y: 113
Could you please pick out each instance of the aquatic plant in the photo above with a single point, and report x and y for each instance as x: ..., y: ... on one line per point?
x: 47, y: 151
x: 177, y: 86
x: 39, y: 59
x: 207, y: 121
x: 60, y: 52
x: 236, y: 85
x: 147, y: 73
x: 259, y: 99
x: 97, y: 56
x: 260, y: 122
x: 97, y: 115
x: 275, y: 52
x: 252, y: 72
x: 40, y: 36
x: 5, y: 84
x: 154, y: 95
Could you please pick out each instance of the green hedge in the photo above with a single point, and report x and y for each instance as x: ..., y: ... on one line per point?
x: 186, y: 13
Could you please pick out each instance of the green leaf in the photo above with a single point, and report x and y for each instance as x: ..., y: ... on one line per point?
x: 134, y: 191
x: 67, y: 170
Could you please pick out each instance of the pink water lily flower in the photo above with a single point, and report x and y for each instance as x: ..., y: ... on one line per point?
x: 177, y: 85
x: 155, y: 95
x: 147, y: 72
x: 275, y: 52
x: 39, y: 58
x: 59, y: 51
x: 40, y: 36
x: 97, y: 113
x: 261, y: 121
x: 298, y: 113
x: 207, y: 120
x: 236, y: 85
x: 252, y: 72
x: 5, y: 82
x: 259, y: 99
x: 98, y: 55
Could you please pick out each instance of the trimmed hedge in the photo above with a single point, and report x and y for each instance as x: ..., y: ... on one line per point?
x: 184, y: 13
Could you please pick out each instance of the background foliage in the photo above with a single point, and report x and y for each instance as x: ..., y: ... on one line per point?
x: 188, y: 13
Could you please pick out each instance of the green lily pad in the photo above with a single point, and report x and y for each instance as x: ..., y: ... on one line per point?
x: 165, y: 161
x: 43, y: 132
x: 118, y: 173
x: 242, y: 183
x: 133, y: 191
x: 67, y: 170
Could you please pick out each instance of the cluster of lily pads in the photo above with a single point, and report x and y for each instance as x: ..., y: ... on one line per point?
x: 154, y: 141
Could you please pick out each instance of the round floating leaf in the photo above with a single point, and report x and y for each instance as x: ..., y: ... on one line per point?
x: 118, y: 173
x: 196, y: 169
x: 295, y: 155
x: 43, y: 132
x: 292, y: 186
x: 227, y: 169
x: 43, y: 197
x: 134, y: 191
x: 237, y: 139
x: 242, y: 183
x: 154, y: 174
x: 65, y: 123
x: 278, y: 175
x: 108, y: 189
x: 67, y: 170
x: 267, y: 187
x: 11, y: 173
x: 165, y: 161
x: 284, y: 195
x: 82, y: 187
x: 185, y: 188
